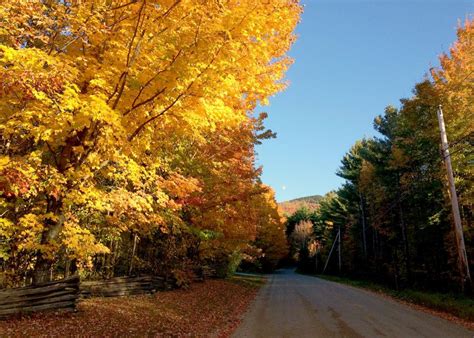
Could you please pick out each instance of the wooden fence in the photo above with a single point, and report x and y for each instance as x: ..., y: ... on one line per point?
x: 63, y: 294
x: 123, y: 286
x: 48, y: 296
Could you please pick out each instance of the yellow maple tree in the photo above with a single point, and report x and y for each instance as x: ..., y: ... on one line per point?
x: 96, y: 97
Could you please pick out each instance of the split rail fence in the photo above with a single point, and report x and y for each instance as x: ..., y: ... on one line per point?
x: 54, y: 295
x: 122, y: 286
x: 64, y: 294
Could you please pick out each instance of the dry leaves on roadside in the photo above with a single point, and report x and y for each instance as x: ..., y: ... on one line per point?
x: 210, y: 308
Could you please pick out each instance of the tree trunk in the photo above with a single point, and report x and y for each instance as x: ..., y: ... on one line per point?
x: 405, y: 243
x: 43, y: 263
x: 362, y: 216
x: 395, y: 263
x: 403, y: 227
x: 67, y: 267
x: 135, y: 239
x: 53, y: 228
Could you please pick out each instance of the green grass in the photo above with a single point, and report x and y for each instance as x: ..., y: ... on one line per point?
x: 248, y: 280
x: 455, y: 304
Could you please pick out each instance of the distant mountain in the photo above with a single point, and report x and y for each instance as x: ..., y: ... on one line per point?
x: 310, y: 202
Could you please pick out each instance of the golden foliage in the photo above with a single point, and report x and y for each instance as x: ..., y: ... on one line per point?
x: 125, y: 116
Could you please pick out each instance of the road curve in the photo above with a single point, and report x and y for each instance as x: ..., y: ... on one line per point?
x: 293, y: 305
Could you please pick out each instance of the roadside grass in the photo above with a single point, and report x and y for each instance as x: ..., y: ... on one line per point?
x: 252, y: 280
x: 455, y: 304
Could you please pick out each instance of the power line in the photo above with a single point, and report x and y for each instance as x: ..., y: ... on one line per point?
x: 461, y: 139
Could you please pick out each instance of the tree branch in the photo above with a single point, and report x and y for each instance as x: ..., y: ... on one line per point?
x: 151, y: 119
x: 137, y: 131
x: 125, y: 73
x: 134, y: 103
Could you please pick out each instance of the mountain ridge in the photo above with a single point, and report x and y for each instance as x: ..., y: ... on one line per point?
x: 311, y: 202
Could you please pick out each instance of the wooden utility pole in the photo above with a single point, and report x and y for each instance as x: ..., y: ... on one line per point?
x: 316, y: 259
x: 462, y: 255
x: 330, y: 252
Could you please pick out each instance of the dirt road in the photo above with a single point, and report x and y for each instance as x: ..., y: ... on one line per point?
x: 293, y: 305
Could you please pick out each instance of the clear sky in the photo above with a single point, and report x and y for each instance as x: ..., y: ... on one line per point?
x: 352, y: 59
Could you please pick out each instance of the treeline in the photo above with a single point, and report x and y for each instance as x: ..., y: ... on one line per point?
x: 127, y: 134
x: 393, y: 211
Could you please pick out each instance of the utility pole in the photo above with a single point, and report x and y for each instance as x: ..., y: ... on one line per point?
x: 330, y: 252
x: 316, y: 259
x: 463, y: 261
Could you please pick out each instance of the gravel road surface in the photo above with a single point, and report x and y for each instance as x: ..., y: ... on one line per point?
x: 293, y: 305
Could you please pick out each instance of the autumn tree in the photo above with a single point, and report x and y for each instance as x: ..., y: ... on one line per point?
x: 98, y: 100
x: 270, y: 239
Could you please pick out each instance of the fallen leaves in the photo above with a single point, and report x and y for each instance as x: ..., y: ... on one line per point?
x: 210, y: 308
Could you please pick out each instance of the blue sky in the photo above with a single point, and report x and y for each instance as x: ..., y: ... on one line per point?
x: 352, y: 59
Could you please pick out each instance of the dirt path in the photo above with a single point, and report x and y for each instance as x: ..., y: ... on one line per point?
x: 293, y: 305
